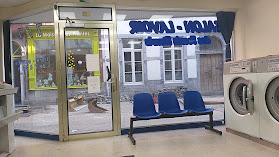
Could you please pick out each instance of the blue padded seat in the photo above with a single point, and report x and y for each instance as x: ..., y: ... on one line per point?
x: 168, y: 104
x: 144, y: 106
x: 193, y: 102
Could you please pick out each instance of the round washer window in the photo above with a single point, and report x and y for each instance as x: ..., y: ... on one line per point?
x: 272, y: 98
x: 236, y: 96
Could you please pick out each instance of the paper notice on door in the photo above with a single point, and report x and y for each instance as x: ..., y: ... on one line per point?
x: 94, y: 84
x: 92, y: 62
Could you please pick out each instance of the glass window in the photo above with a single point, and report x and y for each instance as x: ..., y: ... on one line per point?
x: 45, y: 63
x: 132, y: 50
x: 76, y: 50
x: 173, y: 64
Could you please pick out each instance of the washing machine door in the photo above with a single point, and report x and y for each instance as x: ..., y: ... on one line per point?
x: 241, y: 96
x: 272, y: 98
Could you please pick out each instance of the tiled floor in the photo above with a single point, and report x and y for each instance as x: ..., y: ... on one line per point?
x: 178, y: 143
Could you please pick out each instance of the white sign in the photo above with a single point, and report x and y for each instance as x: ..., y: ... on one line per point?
x: 94, y: 84
x: 92, y: 62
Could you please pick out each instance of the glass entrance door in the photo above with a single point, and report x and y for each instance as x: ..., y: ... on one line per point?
x: 89, y: 90
x: 88, y: 93
x: 88, y: 80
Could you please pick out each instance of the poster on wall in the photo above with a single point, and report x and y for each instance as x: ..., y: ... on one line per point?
x: 92, y: 62
x: 94, y: 84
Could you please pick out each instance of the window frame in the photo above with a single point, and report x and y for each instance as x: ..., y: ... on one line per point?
x: 132, y: 51
x: 172, y: 49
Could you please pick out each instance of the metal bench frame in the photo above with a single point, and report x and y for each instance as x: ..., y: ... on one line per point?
x: 210, y: 127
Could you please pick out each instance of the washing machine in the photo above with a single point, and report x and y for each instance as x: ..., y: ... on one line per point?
x: 268, y: 87
x: 241, y: 101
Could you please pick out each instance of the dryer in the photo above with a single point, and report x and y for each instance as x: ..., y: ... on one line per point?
x: 241, y: 105
x: 268, y: 87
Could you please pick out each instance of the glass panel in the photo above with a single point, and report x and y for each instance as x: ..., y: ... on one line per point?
x: 178, y: 75
x: 168, y: 75
x: 138, y: 77
x: 178, y: 65
x: 88, y: 14
x: 34, y: 73
x: 127, y: 56
x: 167, y: 46
x: 167, y: 65
x: 78, y: 43
x: 152, y: 68
x: 128, y: 77
x: 138, y: 66
x: 128, y: 67
x: 125, y: 43
x: 137, y: 56
x: 137, y: 44
x: 89, y: 93
x: 177, y: 54
x: 167, y: 55
x: 45, y: 63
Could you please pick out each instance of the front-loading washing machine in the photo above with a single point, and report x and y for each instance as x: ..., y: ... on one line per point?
x: 268, y: 87
x: 241, y: 105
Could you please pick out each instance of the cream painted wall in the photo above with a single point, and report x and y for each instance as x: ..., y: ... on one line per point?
x: 261, y: 28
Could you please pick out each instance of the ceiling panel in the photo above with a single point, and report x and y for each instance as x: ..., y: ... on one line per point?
x: 12, y: 3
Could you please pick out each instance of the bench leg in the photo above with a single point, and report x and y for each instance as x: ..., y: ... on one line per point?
x: 130, y: 134
x: 210, y: 127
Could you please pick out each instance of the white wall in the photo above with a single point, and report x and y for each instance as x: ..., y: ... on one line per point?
x: 153, y: 70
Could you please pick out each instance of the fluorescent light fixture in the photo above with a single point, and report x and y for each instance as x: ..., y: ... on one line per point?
x: 161, y: 17
x: 65, y: 15
x: 107, y: 16
x: 120, y: 17
x: 134, y: 42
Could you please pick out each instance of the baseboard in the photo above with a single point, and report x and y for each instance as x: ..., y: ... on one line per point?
x: 254, y: 139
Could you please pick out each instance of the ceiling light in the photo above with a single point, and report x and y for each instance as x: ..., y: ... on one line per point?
x: 120, y: 17
x: 161, y: 17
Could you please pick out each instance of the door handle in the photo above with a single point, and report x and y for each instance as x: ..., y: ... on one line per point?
x: 244, y: 96
x: 250, y: 98
x: 109, y: 74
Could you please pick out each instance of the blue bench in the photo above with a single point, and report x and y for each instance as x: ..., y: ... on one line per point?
x: 144, y: 108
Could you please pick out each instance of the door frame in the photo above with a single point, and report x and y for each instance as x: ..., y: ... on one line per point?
x: 61, y: 77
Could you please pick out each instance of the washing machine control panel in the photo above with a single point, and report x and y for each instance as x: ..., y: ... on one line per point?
x: 238, y: 67
x: 268, y: 65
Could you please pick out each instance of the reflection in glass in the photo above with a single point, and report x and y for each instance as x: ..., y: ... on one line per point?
x: 138, y: 66
x: 177, y: 54
x: 178, y: 75
x: 167, y: 55
x: 45, y: 63
x: 128, y: 67
x: 167, y: 65
x: 168, y: 75
x: 137, y: 56
x: 138, y: 76
x: 128, y: 77
x: 127, y: 56
x: 178, y: 65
